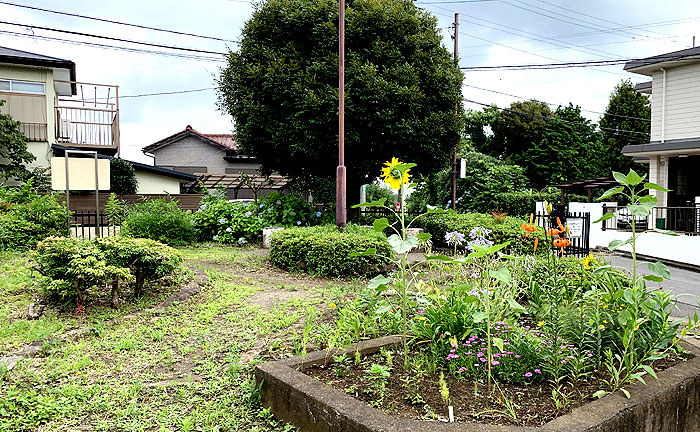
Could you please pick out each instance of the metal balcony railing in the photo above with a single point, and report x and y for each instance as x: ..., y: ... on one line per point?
x: 90, y: 119
x: 684, y: 220
x: 35, y: 132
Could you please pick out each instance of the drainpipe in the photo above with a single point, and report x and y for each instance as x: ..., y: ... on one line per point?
x: 663, y: 107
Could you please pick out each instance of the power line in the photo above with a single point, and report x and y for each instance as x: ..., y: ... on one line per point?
x: 551, y: 118
x: 115, y: 22
x: 552, y: 104
x: 112, y: 38
x: 167, y: 93
x: 589, y: 63
x: 117, y: 48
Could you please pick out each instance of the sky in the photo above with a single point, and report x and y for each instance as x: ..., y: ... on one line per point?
x: 491, y: 33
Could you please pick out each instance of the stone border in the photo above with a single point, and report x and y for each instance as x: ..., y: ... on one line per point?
x: 669, y: 404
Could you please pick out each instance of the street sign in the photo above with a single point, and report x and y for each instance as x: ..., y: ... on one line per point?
x: 575, y: 227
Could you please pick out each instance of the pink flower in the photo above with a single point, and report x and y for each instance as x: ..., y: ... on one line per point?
x: 528, y: 374
x: 538, y: 371
x: 494, y: 362
x: 483, y: 359
x: 517, y: 356
x: 462, y: 369
x: 479, y: 354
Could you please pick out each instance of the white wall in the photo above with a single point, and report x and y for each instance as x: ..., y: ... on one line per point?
x: 682, y: 103
x: 150, y: 183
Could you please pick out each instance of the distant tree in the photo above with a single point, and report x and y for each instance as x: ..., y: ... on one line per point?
x: 122, y: 177
x: 477, y: 129
x: 402, y: 87
x: 516, y: 128
x: 375, y: 192
x: 13, y: 150
x: 627, y: 120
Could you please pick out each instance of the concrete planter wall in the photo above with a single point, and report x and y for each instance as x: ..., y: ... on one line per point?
x: 669, y: 404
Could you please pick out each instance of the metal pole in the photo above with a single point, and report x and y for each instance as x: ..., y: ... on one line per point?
x: 454, y: 155
x: 97, y: 199
x: 65, y: 155
x: 340, y: 190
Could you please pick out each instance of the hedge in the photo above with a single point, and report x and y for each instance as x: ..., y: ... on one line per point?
x: 325, y: 251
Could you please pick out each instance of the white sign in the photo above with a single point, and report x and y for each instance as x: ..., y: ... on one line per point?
x: 575, y: 227
x: 81, y: 172
x: 462, y: 168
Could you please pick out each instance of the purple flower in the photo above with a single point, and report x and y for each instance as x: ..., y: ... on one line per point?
x: 454, y: 238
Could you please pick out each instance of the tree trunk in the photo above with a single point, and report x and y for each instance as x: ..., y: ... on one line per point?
x: 139, y: 284
x: 115, y: 292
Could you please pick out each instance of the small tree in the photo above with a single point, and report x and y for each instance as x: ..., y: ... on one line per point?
x: 13, y: 150
x: 122, y: 177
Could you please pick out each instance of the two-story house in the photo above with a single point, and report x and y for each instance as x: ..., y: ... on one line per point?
x: 674, y: 148
x: 58, y: 113
x: 216, y: 161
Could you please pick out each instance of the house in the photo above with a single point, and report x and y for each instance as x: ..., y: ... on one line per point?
x: 216, y: 161
x: 673, y: 152
x: 58, y: 113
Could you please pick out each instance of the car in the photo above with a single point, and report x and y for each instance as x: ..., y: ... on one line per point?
x: 243, y: 201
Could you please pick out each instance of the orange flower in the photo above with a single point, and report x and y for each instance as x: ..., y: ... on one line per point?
x: 561, y: 242
x: 528, y: 227
x: 536, y: 242
x: 561, y: 227
x: 553, y: 232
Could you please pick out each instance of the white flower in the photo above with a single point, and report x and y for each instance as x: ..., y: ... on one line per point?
x: 229, y: 229
x: 215, y: 238
x: 222, y: 221
x: 247, y: 214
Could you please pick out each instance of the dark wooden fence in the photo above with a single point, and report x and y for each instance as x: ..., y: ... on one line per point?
x: 86, y: 201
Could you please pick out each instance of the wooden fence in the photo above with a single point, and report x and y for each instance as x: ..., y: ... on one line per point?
x: 86, y: 201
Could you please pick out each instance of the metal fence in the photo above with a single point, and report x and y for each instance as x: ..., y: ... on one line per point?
x: 83, y: 225
x: 684, y: 220
x: 579, y: 231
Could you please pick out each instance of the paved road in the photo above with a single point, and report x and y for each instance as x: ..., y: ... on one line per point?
x: 684, y: 284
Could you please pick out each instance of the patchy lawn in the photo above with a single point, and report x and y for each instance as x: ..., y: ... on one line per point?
x: 187, y: 367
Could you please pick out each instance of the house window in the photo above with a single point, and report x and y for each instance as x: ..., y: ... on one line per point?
x: 31, y: 87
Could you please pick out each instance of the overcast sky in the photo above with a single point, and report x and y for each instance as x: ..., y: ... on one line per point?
x: 492, y: 33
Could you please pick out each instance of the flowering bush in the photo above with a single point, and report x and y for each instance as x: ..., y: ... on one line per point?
x: 288, y: 210
x: 227, y: 222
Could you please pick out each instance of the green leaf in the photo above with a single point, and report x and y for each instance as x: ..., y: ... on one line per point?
x: 638, y: 376
x: 404, y: 167
x: 633, y: 179
x: 653, y: 278
x: 378, y: 281
x: 378, y: 203
x: 599, y: 394
x: 628, y: 295
x: 620, y: 178
x: 606, y: 216
x: 439, y: 258
x: 382, y: 309
x: 502, y: 275
x: 654, y: 186
x: 666, y: 232
x: 515, y: 305
x: 626, y: 393
x: 424, y: 236
x: 368, y: 252
x: 380, y: 224
x: 498, y: 343
x: 601, y: 270
x: 660, y: 269
x: 610, y: 192
x: 402, y: 246
x: 623, y: 317
x: 649, y: 370
x: 479, y: 316
x: 616, y: 244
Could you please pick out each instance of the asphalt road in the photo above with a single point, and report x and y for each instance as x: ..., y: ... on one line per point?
x: 684, y: 284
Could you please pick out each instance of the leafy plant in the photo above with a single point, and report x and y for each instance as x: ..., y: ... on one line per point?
x: 227, y: 222
x: 161, y: 220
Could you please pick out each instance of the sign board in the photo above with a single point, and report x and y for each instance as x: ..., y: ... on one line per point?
x: 575, y: 227
x: 81, y: 173
x: 462, y: 168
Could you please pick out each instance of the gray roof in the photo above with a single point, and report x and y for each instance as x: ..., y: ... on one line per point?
x: 14, y: 56
x: 663, y: 58
x: 643, y: 87
x: 669, y: 146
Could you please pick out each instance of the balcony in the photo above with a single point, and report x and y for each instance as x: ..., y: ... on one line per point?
x: 35, y: 132
x: 90, y: 119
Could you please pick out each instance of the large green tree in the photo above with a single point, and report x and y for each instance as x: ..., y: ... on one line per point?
x: 402, y: 87
x: 516, y: 128
x: 13, y: 150
x: 627, y: 120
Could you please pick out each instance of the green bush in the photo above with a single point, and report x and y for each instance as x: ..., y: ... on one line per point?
x: 503, y: 229
x: 288, y: 210
x: 160, y: 220
x: 325, y: 251
x: 144, y: 258
x: 226, y: 222
x: 75, y: 267
x: 27, y: 217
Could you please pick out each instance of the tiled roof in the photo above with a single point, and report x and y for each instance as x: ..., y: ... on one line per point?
x: 225, y: 141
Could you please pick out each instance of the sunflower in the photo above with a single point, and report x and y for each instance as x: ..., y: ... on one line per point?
x: 392, y: 175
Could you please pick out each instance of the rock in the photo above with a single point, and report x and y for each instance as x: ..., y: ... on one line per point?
x: 9, y: 362
x: 34, y: 311
x: 267, y: 234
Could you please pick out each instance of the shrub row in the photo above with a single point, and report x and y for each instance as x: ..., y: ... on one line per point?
x: 76, y: 268
x: 503, y: 229
x: 27, y: 217
x: 325, y: 251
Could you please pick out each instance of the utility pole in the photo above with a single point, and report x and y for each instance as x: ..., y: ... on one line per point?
x: 454, y: 155
x: 341, y: 216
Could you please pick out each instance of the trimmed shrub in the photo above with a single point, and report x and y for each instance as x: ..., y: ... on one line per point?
x: 160, y: 220
x: 503, y: 229
x: 26, y: 217
x: 227, y: 222
x: 325, y: 251
x: 74, y: 268
x: 145, y: 258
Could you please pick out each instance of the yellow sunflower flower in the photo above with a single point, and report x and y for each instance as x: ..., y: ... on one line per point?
x: 392, y: 176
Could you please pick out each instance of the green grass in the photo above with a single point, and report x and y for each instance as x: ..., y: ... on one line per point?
x: 188, y: 367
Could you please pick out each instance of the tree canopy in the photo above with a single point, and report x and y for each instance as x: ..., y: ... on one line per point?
x: 13, y: 150
x: 402, y: 87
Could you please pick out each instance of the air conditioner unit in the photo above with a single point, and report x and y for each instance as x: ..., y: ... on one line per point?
x: 64, y: 130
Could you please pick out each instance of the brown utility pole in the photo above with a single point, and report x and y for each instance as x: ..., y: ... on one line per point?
x: 454, y: 155
x: 341, y: 216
